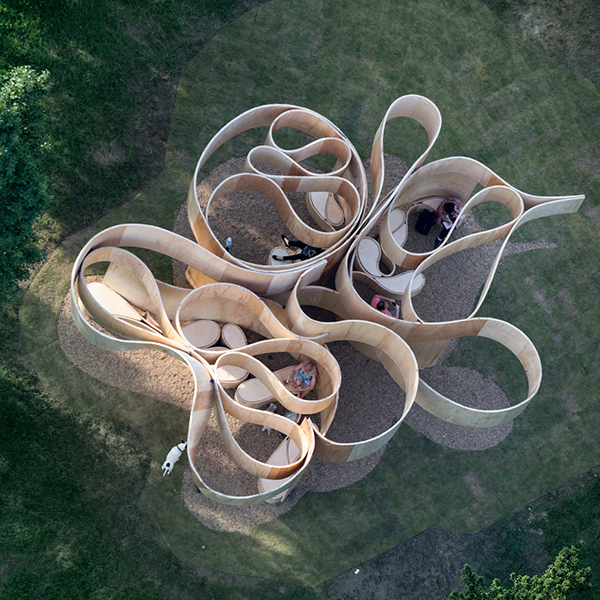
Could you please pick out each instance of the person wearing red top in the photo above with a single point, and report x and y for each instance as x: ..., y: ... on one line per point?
x: 387, y: 306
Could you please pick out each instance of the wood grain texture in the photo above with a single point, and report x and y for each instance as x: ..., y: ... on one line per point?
x: 130, y: 309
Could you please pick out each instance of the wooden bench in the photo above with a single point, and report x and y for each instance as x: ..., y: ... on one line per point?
x: 233, y: 336
x: 326, y: 207
x: 286, y: 453
x: 254, y: 393
x: 202, y: 333
x: 368, y: 255
x: 398, y: 226
x: 116, y: 305
x: 228, y: 375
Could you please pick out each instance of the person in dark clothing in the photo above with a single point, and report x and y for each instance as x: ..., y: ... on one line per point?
x: 447, y: 214
x: 305, y: 253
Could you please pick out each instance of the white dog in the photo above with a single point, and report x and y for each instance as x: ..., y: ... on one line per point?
x: 173, y: 457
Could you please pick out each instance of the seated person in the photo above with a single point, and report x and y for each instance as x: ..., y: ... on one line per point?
x: 447, y: 214
x: 305, y: 253
x: 387, y: 306
x: 303, y: 378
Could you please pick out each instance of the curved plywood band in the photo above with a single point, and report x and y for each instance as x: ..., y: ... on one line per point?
x: 509, y: 336
x: 233, y: 304
x: 328, y: 381
x: 458, y: 177
x: 285, y: 452
x: 397, y: 358
x: 166, y: 334
x: 204, y: 393
x: 275, y: 189
x: 513, y: 201
x: 201, y: 410
x: 288, y: 162
x: 521, y: 346
x: 263, y: 418
x: 348, y: 178
x: 195, y: 431
x: 417, y: 108
x: 375, y: 341
x: 131, y: 304
x: 203, y: 397
x: 209, y: 267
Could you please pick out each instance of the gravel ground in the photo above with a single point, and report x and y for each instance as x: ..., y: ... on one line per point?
x: 366, y: 384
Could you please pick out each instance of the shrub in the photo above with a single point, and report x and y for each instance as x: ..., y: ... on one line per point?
x: 23, y: 181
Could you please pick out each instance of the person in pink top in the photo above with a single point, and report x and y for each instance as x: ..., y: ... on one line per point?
x: 384, y: 305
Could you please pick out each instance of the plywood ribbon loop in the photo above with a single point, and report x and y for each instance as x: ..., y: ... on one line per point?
x: 144, y: 313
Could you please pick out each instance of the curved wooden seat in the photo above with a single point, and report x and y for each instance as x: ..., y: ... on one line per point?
x: 286, y: 453
x: 233, y: 336
x: 115, y: 304
x: 112, y: 302
x: 430, y: 203
x: 398, y: 226
x: 325, y: 205
x: 368, y: 255
x: 394, y: 286
x: 254, y: 393
x: 202, y: 333
x: 229, y: 376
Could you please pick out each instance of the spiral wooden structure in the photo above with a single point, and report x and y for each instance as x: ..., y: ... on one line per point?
x: 136, y: 311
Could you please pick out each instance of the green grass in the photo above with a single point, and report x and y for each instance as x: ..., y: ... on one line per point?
x: 502, y: 102
x: 564, y: 31
x: 67, y: 536
x: 114, y: 65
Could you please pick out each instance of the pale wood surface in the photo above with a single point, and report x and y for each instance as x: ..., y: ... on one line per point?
x: 368, y: 256
x: 255, y: 394
x: 201, y: 333
x: 323, y: 207
x: 139, y: 312
x: 280, y: 251
x: 233, y: 336
x: 285, y: 453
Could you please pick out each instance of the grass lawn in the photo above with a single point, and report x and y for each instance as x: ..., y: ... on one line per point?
x: 503, y: 102
x: 114, y: 65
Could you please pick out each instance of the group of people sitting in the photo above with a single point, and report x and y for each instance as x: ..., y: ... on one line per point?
x: 303, y: 378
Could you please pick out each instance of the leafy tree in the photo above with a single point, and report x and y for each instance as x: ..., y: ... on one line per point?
x: 23, y: 182
x: 561, y: 580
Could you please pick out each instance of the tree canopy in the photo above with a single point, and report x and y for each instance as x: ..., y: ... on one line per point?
x: 562, y: 579
x: 23, y: 181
